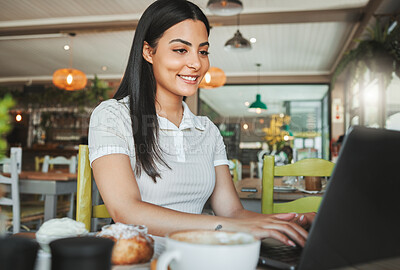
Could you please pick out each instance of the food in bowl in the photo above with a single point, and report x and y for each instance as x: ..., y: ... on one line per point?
x: 57, y: 228
x: 132, y: 243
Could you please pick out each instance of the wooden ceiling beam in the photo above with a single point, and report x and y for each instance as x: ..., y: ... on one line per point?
x: 307, y: 16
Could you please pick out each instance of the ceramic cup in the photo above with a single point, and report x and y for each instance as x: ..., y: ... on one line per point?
x: 18, y: 253
x: 313, y: 183
x: 87, y: 253
x: 202, y: 249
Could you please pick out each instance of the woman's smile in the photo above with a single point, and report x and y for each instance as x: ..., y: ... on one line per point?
x: 190, y: 79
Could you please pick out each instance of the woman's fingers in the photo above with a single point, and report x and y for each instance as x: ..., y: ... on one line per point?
x: 305, y: 219
x: 297, y: 234
x: 293, y: 225
x: 270, y: 233
x: 286, y: 216
x: 284, y: 231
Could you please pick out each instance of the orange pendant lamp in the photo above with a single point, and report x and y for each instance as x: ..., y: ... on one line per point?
x: 215, y: 77
x: 69, y: 79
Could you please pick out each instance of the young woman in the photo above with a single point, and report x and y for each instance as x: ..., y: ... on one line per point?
x: 156, y: 163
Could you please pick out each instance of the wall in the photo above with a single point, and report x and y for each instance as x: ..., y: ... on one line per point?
x: 337, y: 100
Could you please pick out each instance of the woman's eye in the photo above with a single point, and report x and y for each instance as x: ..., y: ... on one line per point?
x: 204, y: 52
x: 180, y: 50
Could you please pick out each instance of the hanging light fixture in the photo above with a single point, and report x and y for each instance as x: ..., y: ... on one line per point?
x: 69, y: 78
x: 238, y: 42
x: 258, y: 106
x: 225, y: 7
x: 215, y: 77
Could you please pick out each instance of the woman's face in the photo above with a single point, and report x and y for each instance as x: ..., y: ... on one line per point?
x: 180, y: 59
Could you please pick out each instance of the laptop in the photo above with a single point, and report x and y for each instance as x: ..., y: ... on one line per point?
x: 358, y: 219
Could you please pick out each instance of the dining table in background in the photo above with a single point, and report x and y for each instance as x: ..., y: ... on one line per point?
x: 249, y: 191
x: 51, y: 185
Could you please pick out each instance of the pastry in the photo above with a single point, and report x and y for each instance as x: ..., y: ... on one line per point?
x: 132, y: 244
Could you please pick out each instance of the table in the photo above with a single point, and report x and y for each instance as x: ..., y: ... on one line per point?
x: 50, y: 184
x: 44, y: 262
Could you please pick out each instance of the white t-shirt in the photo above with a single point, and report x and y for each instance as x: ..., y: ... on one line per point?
x: 191, y: 151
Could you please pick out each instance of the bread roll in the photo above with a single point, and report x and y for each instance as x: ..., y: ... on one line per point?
x: 132, y: 243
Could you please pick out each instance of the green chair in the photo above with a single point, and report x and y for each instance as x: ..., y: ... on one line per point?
x: 85, y: 211
x: 305, y: 167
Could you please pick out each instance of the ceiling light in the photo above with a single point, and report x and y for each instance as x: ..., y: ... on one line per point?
x: 104, y: 68
x: 18, y: 117
x: 66, y: 47
x: 253, y: 40
x: 247, y: 104
x: 215, y: 77
x: 238, y: 43
x: 68, y: 78
x: 225, y: 7
x: 258, y: 106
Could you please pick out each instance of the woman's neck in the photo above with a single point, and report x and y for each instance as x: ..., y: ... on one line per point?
x: 170, y: 108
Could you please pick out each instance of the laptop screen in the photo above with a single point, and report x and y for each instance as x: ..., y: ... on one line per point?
x: 358, y: 218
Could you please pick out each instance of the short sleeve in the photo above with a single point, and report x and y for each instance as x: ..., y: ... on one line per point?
x: 110, y: 130
x: 220, y: 151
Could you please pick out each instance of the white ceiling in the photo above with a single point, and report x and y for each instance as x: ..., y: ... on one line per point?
x: 308, y: 48
x: 297, y: 41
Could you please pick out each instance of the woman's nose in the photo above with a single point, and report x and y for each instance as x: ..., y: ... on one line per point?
x: 194, y: 62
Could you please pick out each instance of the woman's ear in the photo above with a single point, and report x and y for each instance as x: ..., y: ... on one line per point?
x: 147, y: 52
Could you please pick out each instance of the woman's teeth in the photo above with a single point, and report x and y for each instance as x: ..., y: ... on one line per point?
x: 189, y: 78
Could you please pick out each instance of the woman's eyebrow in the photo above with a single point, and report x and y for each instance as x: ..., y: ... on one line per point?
x: 187, y: 42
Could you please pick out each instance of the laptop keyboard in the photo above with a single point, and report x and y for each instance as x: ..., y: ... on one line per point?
x: 283, y: 257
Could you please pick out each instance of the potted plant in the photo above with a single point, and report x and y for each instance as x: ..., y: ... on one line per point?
x: 378, y: 52
x: 5, y: 105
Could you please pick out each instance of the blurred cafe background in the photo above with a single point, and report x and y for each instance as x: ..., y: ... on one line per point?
x: 293, y: 57
x: 287, y: 78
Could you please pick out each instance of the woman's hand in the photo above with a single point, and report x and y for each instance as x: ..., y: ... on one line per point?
x: 304, y: 219
x: 276, y: 226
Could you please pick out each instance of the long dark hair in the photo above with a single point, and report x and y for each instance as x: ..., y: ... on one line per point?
x: 139, y: 83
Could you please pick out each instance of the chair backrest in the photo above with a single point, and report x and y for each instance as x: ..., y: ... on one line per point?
x: 235, y: 167
x: 305, y: 167
x: 70, y: 162
x: 6, y: 162
x: 38, y: 162
x: 85, y: 210
x: 13, y: 200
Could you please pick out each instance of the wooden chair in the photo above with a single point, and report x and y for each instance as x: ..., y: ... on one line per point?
x: 49, y: 162
x: 70, y: 162
x: 85, y: 210
x: 305, y: 167
x: 235, y: 168
x: 16, y: 213
x: 38, y: 163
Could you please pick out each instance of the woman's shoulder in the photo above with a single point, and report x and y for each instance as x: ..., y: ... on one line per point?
x: 112, y: 106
